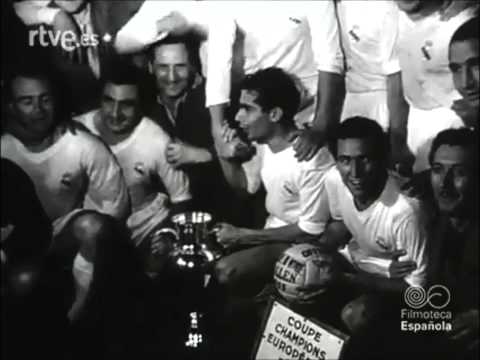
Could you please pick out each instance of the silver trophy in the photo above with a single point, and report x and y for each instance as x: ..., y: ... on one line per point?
x: 193, y: 247
x: 193, y: 240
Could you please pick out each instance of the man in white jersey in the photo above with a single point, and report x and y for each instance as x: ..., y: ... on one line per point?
x: 301, y: 37
x: 369, y: 56
x: 422, y: 47
x: 157, y: 189
x: 373, y: 80
x: 463, y: 61
x: 268, y: 102
x: 384, y: 229
x: 72, y: 172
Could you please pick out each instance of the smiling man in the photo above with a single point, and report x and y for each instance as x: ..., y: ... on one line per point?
x: 385, y: 230
x: 463, y: 58
x: 156, y: 188
x: 76, y: 178
x: 268, y: 102
x: 454, y: 250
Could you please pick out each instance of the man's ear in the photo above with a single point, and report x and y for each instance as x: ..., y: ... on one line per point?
x: 276, y: 114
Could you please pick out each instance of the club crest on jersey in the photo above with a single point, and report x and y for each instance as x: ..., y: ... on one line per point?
x: 66, y: 179
x: 353, y: 33
x: 295, y: 20
x: 425, y: 49
x: 139, y: 168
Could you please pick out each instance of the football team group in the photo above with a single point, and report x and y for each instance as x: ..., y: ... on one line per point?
x: 345, y: 127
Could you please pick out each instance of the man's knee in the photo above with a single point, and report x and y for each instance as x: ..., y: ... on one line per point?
x: 361, y: 312
x: 225, y: 272
x: 88, y: 228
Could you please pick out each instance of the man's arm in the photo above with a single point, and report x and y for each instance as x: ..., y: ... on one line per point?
x: 141, y: 30
x: 402, y: 158
x: 367, y: 282
x: 221, y: 39
x: 336, y: 235
x: 229, y: 235
x: 235, y: 175
x: 107, y: 191
x: 331, y: 82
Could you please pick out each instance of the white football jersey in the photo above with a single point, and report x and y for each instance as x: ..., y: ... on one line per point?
x: 152, y: 182
x: 393, y: 222
x: 77, y: 171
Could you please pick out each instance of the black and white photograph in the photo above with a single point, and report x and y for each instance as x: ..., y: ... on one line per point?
x: 240, y: 179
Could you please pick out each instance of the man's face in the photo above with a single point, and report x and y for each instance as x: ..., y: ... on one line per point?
x: 172, y: 69
x: 410, y: 6
x: 357, y: 165
x: 252, y: 119
x: 32, y: 108
x: 452, y: 178
x: 464, y: 66
x: 119, y: 108
x: 70, y: 6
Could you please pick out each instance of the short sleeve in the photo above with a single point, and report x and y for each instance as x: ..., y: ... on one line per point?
x: 33, y: 12
x: 333, y: 186
x: 411, y: 236
x: 107, y: 192
x: 325, y: 36
x: 175, y: 181
x: 314, y: 204
x: 252, y: 169
x: 221, y: 38
x: 389, y: 41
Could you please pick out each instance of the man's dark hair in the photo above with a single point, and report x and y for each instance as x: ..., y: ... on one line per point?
x: 462, y: 137
x: 191, y: 42
x: 359, y: 127
x: 275, y: 88
x: 122, y: 73
x: 468, y: 31
x: 31, y: 70
x: 40, y: 70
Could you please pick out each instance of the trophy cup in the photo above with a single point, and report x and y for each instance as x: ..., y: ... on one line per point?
x: 193, y: 249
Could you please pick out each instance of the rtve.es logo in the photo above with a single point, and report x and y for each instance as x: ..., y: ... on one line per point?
x: 66, y: 39
x: 437, y: 296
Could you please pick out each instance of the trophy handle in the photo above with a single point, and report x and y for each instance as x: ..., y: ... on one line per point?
x: 167, y: 231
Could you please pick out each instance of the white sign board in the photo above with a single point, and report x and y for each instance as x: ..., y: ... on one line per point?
x: 288, y: 335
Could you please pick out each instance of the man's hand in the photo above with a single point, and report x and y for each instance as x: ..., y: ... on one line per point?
x: 179, y: 153
x: 174, y: 24
x: 452, y: 8
x: 230, y: 146
x: 400, y: 269
x: 467, y: 111
x: 63, y: 23
x: 307, y: 144
x: 465, y: 329
x: 229, y: 235
x: 402, y: 159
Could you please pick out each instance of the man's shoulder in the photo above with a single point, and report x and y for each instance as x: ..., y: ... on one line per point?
x: 88, y: 120
x: 149, y: 130
x: 401, y: 206
x: 322, y: 161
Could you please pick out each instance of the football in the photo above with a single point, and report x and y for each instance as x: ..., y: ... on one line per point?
x: 300, y: 266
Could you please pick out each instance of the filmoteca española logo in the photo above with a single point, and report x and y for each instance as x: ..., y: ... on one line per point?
x: 434, y: 318
x: 437, y: 296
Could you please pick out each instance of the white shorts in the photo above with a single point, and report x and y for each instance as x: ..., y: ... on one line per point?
x: 372, y: 105
x: 141, y: 223
x: 423, y: 126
